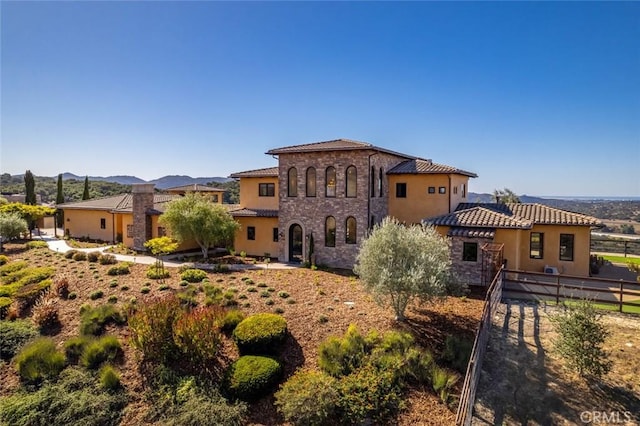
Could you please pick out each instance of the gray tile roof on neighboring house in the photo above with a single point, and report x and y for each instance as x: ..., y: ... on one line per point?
x: 333, y: 145
x: 122, y: 203
x: 472, y: 232
x: 419, y: 166
x: 268, y: 172
x: 536, y: 213
x: 254, y: 213
x: 479, y: 217
x: 196, y: 187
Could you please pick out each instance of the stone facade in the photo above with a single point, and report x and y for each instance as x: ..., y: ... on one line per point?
x: 311, y: 212
x: 469, y: 272
x: 142, y: 203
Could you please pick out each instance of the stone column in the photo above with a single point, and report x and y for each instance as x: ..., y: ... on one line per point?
x: 142, y: 202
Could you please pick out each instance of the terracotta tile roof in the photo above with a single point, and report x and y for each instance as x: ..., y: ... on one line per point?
x: 254, y: 213
x: 122, y: 203
x: 419, y: 166
x: 196, y: 187
x: 537, y: 213
x: 333, y: 145
x: 472, y: 232
x: 268, y: 172
x: 479, y: 217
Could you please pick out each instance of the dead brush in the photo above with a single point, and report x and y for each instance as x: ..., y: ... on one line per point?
x: 45, y: 311
x: 61, y: 287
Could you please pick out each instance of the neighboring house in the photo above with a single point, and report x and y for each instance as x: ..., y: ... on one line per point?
x: 523, y: 236
x: 332, y: 193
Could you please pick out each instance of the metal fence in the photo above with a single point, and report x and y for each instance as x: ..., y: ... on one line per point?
x: 468, y: 393
x: 611, y: 245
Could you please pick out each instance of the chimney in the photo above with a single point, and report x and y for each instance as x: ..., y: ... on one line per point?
x: 142, y: 202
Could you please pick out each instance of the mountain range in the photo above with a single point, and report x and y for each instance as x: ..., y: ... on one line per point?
x: 160, y: 183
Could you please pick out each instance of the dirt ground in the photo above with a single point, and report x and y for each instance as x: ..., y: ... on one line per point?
x: 523, y: 382
x: 312, y: 295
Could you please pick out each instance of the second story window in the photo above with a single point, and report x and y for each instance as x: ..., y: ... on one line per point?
x: 380, y: 182
x: 352, y: 182
x: 330, y: 182
x: 292, y: 182
x: 373, y: 182
x: 311, y: 182
x: 266, y: 189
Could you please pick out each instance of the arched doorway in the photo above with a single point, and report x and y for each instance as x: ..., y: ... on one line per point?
x: 295, y: 243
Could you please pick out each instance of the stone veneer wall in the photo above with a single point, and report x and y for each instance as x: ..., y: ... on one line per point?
x: 142, y: 194
x: 311, y: 212
x: 380, y: 205
x: 468, y: 272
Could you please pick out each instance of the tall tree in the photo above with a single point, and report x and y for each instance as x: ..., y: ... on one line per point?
x: 30, y: 188
x: 400, y: 263
x: 59, y: 200
x: 85, y: 192
x: 505, y: 196
x: 193, y: 217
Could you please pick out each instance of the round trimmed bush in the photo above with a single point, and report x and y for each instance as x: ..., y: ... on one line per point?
x: 80, y: 256
x: 260, y: 334
x: 308, y: 398
x: 193, y: 275
x: 252, y: 376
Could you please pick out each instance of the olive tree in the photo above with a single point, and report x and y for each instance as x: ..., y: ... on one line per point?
x: 193, y: 217
x: 399, y: 263
x: 12, y: 225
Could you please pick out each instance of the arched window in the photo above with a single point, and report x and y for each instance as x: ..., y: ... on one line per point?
x: 330, y: 231
x: 330, y: 182
x: 352, y: 182
x: 311, y: 182
x: 292, y: 182
x: 351, y: 230
x: 373, y: 182
x: 380, y: 182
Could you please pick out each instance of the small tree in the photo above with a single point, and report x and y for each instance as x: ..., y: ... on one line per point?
x: 28, y: 212
x: 12, y: 225
x: 399, y: 263
x: 505, y: 196
x: 193, y: 217
x: 30, y: 188
x: 581, y: 335
x: 85, y: 192
x: 159, y: 247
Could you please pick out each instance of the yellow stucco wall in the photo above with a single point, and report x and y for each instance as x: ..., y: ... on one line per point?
x: 263, y: 242
x: 419, y: 203
x: 86, y: 224
x: 249, y: 197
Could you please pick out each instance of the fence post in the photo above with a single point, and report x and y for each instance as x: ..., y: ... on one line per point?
x: 626, y: 245
x: 621, y: 295
x: 558, y: 290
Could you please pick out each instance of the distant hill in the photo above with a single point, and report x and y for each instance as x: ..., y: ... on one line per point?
x: 161, y: 183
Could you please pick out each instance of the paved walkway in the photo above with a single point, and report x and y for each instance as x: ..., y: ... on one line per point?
x: 61, y: 246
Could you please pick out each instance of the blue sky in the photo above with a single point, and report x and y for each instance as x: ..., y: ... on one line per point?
x: 542, y: 98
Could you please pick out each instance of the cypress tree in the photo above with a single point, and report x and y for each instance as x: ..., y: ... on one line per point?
x: 85, y: 193
x: 30, y: 188
x: 59, y: 200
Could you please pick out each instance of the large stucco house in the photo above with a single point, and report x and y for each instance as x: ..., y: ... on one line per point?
x: 321, y: 199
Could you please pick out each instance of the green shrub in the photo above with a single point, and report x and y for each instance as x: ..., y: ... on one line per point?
x: 96, y: 352
x: 145, y: 290
x: 112, y: 299
x: 121, y: 269
x: 39, y: 360
x: 231, y: 320
x: 308, y: 398
x: 152, y: 329
x: 93, y: 256
x: 193, y: 275
x: 3, y: 259
x: 457, y: 351
x: 341, y: 356
x: 29, y: 293
x: 74, y: 399
x: 264, y: 294
x: 113, y: 283
x: 80, y: 256
x: 107, y: 259
x: 260, y: 333
x: 183, y: 283
x: 13, y: 335
x: 189, y: 297
x: 155, y: 273
x: 197, y: 333
x: 73, y: 295
x: 283, y: 294
x: 252, y: 289
x: 369, y: 393
x: 185, y: 267
x: 70, y: 253
x: 443, y: 382
x: 251, y: 377
x: 124, y: 288
x: 96, y: 295
x: 75, y: 346
x: 37, y: 244
x: 93, y: 320
x: 323, y: 319
x: 164, y: 287
x: 109, y: 378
